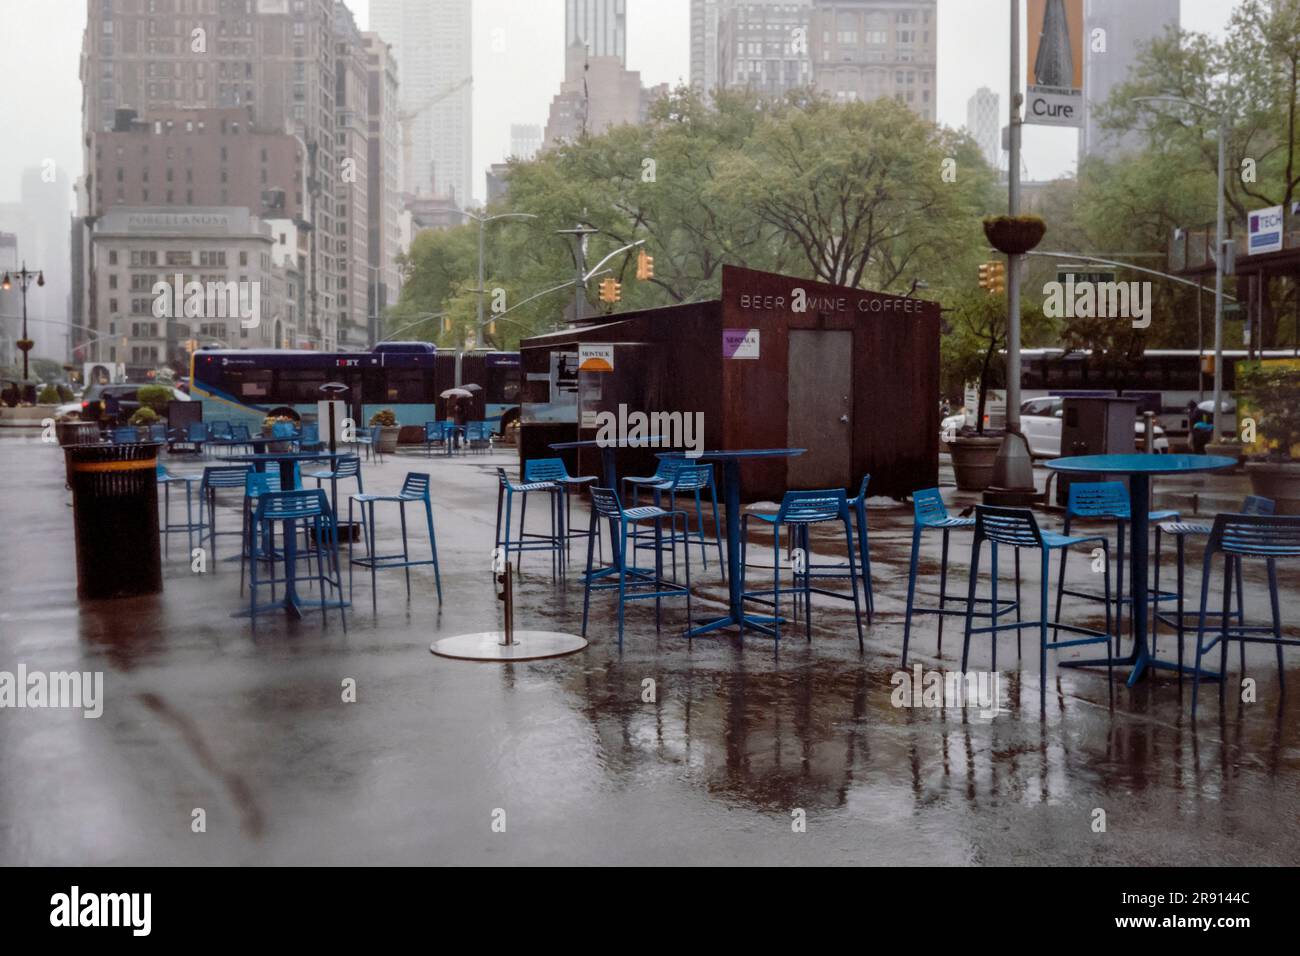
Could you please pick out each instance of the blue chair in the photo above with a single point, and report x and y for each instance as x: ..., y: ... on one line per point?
x: 930, y: 514
x: 125, y: 435
x: 1235, y: 537
x: 1108, y: 501
x: 349, y: 466
x: 256, y: 484
x: 190, y: 527
x: 1180, y: 531
x: 312, y: 509
x: 553, y: 542
x: 798, y: 512
x: 433, y: 435
x: 219, y: 429
x: 554, y: 469
x: 158, y: 432
x: 196, y: 434
x: 414, y: 488
x: 665, y: 468
x: 605, y: 506
x: 1017, y: 528
x: 688, y: 478
x: 478, y: 437
x: 310, y: 440
x: 216, y: 477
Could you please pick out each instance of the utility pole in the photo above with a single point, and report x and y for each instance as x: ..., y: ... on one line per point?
x: 1013, y: 209
x: 580, y: 260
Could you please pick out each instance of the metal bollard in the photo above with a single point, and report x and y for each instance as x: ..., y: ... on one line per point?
x: 507, y: 594
x: 1149, y: 432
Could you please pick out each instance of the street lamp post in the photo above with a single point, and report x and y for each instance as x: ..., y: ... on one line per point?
x: 1219, y: 240
x: 482, y: 223
x: 24, y: 277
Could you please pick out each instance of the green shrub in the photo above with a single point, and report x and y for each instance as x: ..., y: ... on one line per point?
x: 65, y: 393
x: 49, y: 395
x: 155, y: 397
x: 144, y: 415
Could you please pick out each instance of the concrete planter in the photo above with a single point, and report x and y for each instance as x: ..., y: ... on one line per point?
x: 1279, y: 480
x: 1227, y: 450
x: 972, y: 460
x: 388, y: 438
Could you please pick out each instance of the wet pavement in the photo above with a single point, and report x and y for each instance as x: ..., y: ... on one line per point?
x: 580, y: 758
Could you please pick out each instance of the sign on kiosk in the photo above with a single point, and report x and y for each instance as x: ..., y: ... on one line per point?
x: 1265, y: 230
x: 595, y: 358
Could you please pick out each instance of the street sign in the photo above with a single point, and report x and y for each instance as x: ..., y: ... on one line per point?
x: 1096, y: 278
x: 1265, y: 230
x: 740, y: 343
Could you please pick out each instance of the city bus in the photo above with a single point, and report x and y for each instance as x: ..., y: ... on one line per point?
x: 1165, y: 381
x: 245, y: 386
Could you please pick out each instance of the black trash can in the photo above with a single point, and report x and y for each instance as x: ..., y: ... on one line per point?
x: 77, y: 433
x: 115, y: 511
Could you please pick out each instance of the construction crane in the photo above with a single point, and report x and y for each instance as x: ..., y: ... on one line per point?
x: 405, y: 117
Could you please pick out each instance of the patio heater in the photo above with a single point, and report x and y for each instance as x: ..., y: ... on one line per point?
x: 333, y: 392
x: 507, y: 644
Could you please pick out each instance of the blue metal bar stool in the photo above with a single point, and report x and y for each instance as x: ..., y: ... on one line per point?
x: 1181, y: 531
x: 256, y: 484
x: 858, y: 508
x: 478, y: 437
x: 665, y: 468
x: 553, y: 542
x: 158, y: 432
x: 691, y: 479
x: 605, y: 506
x: 313, y: 509
x: 1236, y: 536
x: 1017, y: 528
x: 349, y: 466
x: 196, y: 434
x: 799, y: 511
x: 310, y: 440
x: 930, y: 513
x: 554, y: 469
x: 216, y: 477
x: 1108, y: 501
x: 125, y: 435
x: 414, y: 488
x: 190, y: 526
x: 433, y: 435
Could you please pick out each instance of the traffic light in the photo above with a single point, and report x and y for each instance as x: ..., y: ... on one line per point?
x: 610, y: 291
x: 993, y: 277
x: 645, y: 266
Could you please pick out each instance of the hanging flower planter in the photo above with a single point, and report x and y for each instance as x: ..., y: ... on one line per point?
x: 25, y: 345
x: 1014, y: 235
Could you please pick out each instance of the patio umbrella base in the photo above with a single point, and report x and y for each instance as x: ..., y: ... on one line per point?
x: 491, y: 646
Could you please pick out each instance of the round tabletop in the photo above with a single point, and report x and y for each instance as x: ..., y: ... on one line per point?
x: 653, y: 440
x: 1141, y: 464
x: 292, y: 455
x: 723, y: 454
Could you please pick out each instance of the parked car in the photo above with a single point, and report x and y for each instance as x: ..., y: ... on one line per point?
x: 1040, y: 422
x: 115, y: 404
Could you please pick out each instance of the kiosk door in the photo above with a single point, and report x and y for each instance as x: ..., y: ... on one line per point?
x: 821, y: 405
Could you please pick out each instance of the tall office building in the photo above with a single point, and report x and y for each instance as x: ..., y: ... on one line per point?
x: 431, y: 42
x: 40, y: 220
x: 764, y: 46
x: 525, y: 140
x: 352, y: 196
x: 272, y: 61
x: 868, y: 49
x: 983, y: 122
x: 385, y: 173
x: 598, y: 25
x: 598, y: 93
x: 1128, y: 26
x: 705, y: 18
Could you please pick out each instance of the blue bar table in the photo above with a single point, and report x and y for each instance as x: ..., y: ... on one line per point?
x: 736, y: 616
x: 286, y: 461
x: 1140, y: 469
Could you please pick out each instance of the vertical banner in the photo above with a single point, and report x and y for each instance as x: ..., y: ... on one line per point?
x: 1054, y: 67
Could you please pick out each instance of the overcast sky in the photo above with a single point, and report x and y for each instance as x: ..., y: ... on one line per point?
x: 40, y: 44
